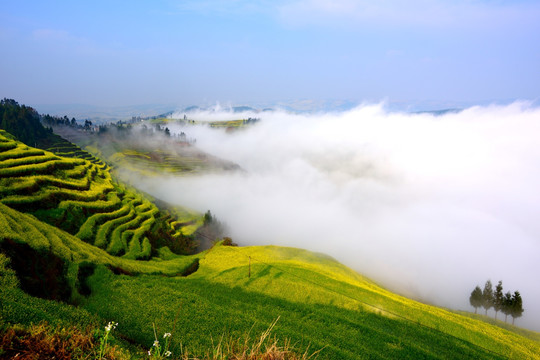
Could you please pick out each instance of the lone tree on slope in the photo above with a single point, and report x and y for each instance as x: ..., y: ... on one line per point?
x: 487, y: 296
x: 507, y: 305
x: 476, y: 298
x: 498, y: 298
x: 517, y: 306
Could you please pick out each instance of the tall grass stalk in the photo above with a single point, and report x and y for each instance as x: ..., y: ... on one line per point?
x: 158, y: 352
x: 103, y: 341
x: 265, y: 347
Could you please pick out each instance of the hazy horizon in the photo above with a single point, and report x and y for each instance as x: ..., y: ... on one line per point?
x: 214, y: 51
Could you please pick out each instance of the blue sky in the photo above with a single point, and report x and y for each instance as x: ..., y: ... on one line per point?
x: 115, y: 53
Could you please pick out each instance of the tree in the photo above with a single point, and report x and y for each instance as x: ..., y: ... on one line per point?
x: 87, y: 124
x: 207, y: 219
x: 487, y: 296
x: 22, y: 121
x: 507, y: 305
x: 476, y: 298
x: 498, y: 298
x: 516, y: 309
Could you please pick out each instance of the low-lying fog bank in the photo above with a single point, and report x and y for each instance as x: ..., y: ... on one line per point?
x: 430, y: 206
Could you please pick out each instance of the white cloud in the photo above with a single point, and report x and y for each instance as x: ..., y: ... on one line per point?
x: 429, y: 205
x: 396, y: 13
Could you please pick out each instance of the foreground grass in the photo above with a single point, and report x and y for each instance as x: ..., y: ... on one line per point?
x: 334, y: 317
x: 42, y: 341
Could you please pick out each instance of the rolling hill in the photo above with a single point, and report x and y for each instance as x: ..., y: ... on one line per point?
x: 78, y: 249
x: 321, y: 304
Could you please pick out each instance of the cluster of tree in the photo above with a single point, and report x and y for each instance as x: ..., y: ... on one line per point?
x: 58, y: 120
x: 212, y: 230
x: 157, y: 129
x: 508, y: 304
x: 250, y: 121
x: 65, y: 121
x: 23, y: 122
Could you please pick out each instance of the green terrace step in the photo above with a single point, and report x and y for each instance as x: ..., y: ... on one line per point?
x: 28, y: 160
x: 102, y: 237
x: 138, y: 249
x: 20, y: 152
x: 49, y: 198
x: 34, y: 183
x: 41, y: 168
x: 4, y: 146
x: 101, y: 206
x: 119, y: 244
x: 67, y: 149
x: 88, y: 231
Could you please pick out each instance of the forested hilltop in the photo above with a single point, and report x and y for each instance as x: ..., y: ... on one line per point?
x: 23, y: 122
x: 91, y: 268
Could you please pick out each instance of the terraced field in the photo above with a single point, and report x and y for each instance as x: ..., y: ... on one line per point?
x: 79, y: 196
x: 158, y: 161
x: 185, y: 222
x: 144, y: 154
x: 65, y: 148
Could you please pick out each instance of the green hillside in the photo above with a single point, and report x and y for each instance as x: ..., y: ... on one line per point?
x: 320, y: 303
x: 78, y: 249
x: 80, y: 197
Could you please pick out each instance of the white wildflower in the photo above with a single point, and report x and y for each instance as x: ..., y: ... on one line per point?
x: 167, y: 353
x: 156, y: 343
x: 149, y: 353
x: 166, y: 335
x: 110, y: 326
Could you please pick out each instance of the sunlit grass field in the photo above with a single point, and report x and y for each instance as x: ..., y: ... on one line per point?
x: 321, y: 304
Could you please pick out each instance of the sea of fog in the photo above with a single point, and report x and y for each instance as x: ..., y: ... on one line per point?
x: 428, y: 206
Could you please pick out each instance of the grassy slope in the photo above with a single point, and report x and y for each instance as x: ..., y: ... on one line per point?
x: 320, y: 303
x: 80, y: 196
x: 303, y: 289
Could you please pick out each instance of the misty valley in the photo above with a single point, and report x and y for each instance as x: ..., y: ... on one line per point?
x: 245, y: 233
